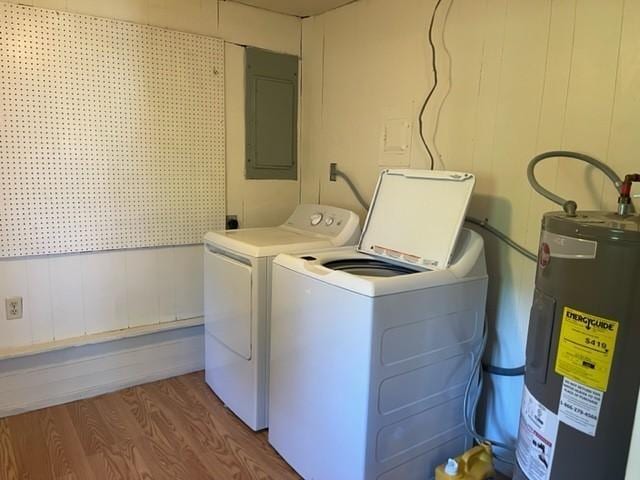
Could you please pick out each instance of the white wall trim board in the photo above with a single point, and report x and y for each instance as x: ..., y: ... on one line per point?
x: 95, y: 338
x: 55, y: 377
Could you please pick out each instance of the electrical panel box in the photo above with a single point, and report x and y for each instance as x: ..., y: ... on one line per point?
x: 271, y: 115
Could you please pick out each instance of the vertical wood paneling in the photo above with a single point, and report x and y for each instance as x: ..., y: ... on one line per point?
x: 458, y: 115
x: 166, y: 262
x: 311, y: 93
x: 594, y: 67
x: 624, y: 145
x: 343, y: 78
x: 518, y: 105
x: 488, y: 93
x: 104, y: 292
x: 38, y: 300
x: 65, y: 275
x: 189, y: 277
x: 142, y: 285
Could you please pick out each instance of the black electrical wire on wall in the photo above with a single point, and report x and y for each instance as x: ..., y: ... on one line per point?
x: 434, y: 69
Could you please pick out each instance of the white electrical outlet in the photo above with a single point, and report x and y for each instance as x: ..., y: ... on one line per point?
x: 13, y: 307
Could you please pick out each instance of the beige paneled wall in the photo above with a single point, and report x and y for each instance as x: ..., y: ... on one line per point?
x: 69, y: 296
x: 520, y: 77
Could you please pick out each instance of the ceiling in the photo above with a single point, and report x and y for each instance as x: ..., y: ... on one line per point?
x: 299, y: 8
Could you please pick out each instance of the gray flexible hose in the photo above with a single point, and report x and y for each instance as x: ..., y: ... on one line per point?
x: 569, y: 206
x: 501, y: 236
x: 354, y: 189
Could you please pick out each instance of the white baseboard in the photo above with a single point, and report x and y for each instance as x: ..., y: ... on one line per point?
x: 61, y: 376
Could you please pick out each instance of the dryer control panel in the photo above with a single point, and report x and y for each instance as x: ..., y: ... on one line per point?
x: 325, y: 220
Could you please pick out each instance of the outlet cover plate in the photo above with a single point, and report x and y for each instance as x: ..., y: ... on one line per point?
x: 13, y: 308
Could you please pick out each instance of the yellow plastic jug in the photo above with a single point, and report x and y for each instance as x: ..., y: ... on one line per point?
x: 474, y: 464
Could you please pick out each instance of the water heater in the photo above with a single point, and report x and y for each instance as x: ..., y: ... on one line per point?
x: 583, y: 350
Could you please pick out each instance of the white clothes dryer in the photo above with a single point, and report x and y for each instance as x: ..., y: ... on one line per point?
x: 237, y: 294
x: 372, y: 347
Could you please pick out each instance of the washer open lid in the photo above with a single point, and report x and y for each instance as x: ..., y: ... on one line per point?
x: 416, y: 215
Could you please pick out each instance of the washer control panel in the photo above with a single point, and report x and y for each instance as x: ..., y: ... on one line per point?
x: 324, y: 220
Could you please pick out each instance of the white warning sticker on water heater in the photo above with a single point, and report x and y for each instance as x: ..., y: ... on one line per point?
x: 536, y: 438
x: 580, y: 406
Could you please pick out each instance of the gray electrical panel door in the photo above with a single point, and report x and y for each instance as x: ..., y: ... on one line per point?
x: 271, y: 115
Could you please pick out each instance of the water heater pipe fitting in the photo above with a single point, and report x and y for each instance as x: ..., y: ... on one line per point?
x: 624, y: 200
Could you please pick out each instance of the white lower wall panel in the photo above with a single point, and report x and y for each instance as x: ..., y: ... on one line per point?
x: 189, y: 278
x: 39, y: 295
x: 142, y: 282
x: 68, y: 296
x: 52, y: 378
x: 65, y: 282
x: 104, y: 299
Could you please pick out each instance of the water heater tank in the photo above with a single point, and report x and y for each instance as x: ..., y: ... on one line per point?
x: 583, y: 350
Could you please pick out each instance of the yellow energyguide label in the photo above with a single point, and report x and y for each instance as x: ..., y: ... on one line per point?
x: 586, y: 348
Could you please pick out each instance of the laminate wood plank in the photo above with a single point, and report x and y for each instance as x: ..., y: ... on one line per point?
x: 127, y: 458
x: 208, y: 443
x: 111, y: 411
x: 90, y: 426
x: 69, y: 443
x: 54, y: 443
x: 167, y: 443
x: 162, y: 457
x: 29, y: 444
x: 8, y: 465
x: 125, y: 431
x: 241, y: 439
x: 121, y: 461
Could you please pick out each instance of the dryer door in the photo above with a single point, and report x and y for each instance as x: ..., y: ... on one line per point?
x: 227, y: 301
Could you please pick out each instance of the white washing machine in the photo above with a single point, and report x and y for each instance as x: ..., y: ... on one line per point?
x: 237, y: 293
x: 371, y: 347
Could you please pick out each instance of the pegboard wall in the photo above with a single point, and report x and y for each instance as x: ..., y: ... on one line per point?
x: 111, y: 134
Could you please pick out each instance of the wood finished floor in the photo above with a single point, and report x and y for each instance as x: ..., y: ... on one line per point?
x: 171, y: 429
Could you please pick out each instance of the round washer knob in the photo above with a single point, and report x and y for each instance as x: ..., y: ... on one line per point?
x: 315, y: 219
x: 328, y: 221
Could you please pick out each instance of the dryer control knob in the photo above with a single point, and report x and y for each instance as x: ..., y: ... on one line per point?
x: 315, y: 219
x: 328, y: 221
